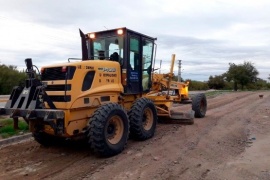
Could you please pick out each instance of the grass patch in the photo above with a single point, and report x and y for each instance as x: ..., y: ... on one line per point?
x: 6, y: 129
x: 212, y: 94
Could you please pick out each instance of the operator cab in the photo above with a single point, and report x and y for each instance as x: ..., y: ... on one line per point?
x: 132, y: 50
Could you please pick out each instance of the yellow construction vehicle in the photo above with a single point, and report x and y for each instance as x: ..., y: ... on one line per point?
x: 111, y: 92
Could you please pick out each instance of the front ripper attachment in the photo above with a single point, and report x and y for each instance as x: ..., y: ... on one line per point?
x: 29, y: 102
x: 31, y: 96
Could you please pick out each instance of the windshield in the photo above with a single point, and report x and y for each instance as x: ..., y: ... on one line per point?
x: 108, y: 48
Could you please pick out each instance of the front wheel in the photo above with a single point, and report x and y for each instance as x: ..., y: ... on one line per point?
x: 44, y: 139
x: 199, y: 105
x: 143, y: 119
x: 108, y: 130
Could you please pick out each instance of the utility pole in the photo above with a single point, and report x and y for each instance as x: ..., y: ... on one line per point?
x: 179, y: 70
x: 160, y: 67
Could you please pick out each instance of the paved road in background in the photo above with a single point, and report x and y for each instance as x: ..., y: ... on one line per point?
x: 3, y: 98
x: 2, y: 104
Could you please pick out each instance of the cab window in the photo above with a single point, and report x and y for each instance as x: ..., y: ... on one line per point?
x: 108, y: 48
x: 146, y: 64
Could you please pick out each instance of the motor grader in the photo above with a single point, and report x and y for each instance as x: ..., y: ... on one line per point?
x: 110, y: 93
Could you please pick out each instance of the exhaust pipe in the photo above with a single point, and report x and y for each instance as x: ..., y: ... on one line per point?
x: 84, y: 47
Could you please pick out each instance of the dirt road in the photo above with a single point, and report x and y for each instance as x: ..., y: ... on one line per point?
x: 231, y: 142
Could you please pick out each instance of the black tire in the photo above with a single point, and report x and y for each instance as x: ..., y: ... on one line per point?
x: 108, y: 130
x: 199, y: 105
x: 44, y: 139
x: 143, y: 119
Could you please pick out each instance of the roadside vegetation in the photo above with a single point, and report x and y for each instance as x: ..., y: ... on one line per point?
x: 239, y: 76
x: 10, y: 76
x: 242, y: 76
x: 212, y: 94
x: 7, y: 130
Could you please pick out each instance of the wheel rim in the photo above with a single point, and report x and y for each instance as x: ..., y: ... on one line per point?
x: 202, y: 106
x: 148, y: 119
x: 115, y: 129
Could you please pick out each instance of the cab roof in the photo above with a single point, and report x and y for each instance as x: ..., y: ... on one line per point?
x: 113, y: 32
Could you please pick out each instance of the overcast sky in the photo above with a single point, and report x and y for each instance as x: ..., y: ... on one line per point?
x: 205, y: 34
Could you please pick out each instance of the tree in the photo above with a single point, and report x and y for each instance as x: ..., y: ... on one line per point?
x: 216, y: 82
x: 10, y: 77
x: 197, y: 85
x: 242, y: 74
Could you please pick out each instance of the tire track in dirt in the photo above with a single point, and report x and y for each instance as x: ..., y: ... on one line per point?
x: 32, y: 161
x: 220, y: 101
x: 236, y: 146
x: 162, y: 130
x: 251, y: 164
x: 233, y: 100
x: 187, y: 140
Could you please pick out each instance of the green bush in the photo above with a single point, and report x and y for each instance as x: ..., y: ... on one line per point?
x: 10, y: 77
x: 197, y: 85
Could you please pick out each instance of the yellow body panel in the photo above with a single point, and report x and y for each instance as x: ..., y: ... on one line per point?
x: 106, y: 87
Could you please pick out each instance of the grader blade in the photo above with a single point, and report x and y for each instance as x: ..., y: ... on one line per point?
x: 182, y: 115
x: 185, y: 117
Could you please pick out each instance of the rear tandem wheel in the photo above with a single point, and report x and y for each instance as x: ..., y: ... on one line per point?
x: 143, y: 119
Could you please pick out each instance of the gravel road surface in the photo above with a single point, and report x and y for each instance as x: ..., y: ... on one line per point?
x: 231, y: 142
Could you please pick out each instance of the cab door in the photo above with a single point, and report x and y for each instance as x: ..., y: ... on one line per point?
x: 134, y: 65
x: 147, y: 59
